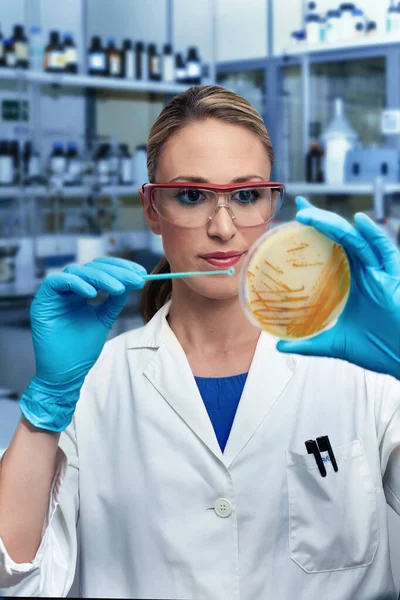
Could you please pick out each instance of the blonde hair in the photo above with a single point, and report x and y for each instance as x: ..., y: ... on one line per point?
x: 195, y: 104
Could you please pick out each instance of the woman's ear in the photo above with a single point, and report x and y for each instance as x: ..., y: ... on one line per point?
x: 150, y: 215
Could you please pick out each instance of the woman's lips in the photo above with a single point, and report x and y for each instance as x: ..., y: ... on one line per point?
x: 223, y: 262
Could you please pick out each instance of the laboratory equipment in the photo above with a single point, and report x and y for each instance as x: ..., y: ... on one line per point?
x: 314, y: 172
x: 141, y: 63
x: 8, y: 253
x: 70, y: 54
x: 10, y: 58
x: 57, y: 165
x: 73, y: 168
x: 294, y: 282
x: 154, y: 63
x: 97, y: 63
x: 54, y: 54
x: 312, y: 8
x: 346, y: 27
x: 332, y: 26
x: 230, y: 272
x: 313, y: 29
x: 114, y: 60
x: 363, y: 165
x: 193, y: 67
x: 31, y: 163
x: 168, y: 66
x: 36, y: 48
x: 126, y: 165
x: 6, y: 164
x: 128, y: 60
x: 298, y: 36
x: 371, y: 29
x: 180, y: 69
x: 359, y: 23
x: 338, y: 139
x: 21, y: 47
x: 102, y: 164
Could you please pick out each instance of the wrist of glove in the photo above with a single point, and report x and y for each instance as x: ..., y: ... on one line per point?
x: 48, y: 405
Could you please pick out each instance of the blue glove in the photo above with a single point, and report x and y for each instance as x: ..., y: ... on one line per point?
x: 367, y: 333
x: 69, y: 334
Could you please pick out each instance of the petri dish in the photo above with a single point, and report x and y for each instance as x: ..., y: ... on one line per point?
x: 295, y: 282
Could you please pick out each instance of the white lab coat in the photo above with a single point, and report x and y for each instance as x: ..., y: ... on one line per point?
x: 145, y: 480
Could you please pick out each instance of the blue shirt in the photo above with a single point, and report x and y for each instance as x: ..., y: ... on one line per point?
x: 221, y: 397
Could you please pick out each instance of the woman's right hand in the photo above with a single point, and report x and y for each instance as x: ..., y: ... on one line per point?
x: 69, y: 334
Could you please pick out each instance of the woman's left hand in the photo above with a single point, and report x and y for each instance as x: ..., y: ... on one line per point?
x: 368, y: 331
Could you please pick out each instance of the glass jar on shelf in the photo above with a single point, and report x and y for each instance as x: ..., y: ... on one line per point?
x: 298, y: 37
x: 332, y: 26
x: 313, y: 29
x: 371, y: 29
x: 346, y: 29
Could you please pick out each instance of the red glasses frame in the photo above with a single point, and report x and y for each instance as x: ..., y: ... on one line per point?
x: 147, y: 188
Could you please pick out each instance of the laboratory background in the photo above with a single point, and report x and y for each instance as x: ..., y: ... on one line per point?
x: 82, y: 82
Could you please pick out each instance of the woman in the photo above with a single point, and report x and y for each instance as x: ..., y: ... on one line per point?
x: 146, y: 474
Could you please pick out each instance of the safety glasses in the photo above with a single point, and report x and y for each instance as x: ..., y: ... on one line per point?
x: 194, y: 205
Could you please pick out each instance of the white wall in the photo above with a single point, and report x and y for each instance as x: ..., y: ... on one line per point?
x: 242, y: 29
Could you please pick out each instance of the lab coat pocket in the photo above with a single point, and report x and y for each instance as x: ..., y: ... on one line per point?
x: 333, y: 523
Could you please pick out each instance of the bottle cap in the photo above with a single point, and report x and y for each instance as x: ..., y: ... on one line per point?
x: 127, y: 44
x: 54, y: 37
x: 96, y: 40
x: 333, y: 14
x: 57, y: 146
x: 167, y: 48
x: 151, y: 48
x: 35, y: 29
x: 111, y: 42
x: 357, y: 12
x: 72, y: 146
x: 179, y: 60
x: 299, y: 35
x: 18, y: 31
x: 67, y: 37
x: 345, y: 6
x: 139, y: 46
x: 192, y: 53
x: 313, y: 19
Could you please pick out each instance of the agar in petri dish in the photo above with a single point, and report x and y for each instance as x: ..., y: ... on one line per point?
x: 295, y: 282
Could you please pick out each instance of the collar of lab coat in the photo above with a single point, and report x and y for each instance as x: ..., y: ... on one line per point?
x: 170, y: 373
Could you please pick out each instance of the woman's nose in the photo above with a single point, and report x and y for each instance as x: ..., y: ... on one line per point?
x: 222, y: 224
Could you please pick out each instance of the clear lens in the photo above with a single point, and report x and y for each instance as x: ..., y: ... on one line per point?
x: 193, y: 207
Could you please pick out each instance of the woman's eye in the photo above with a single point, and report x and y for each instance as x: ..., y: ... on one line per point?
x: 246, y: 196
x: 189, y: 196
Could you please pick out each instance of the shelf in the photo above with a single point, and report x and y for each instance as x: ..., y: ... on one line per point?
x: 350, y: 189
x: 85, y: 81
x: 67, y: 192
x: 379, y: 40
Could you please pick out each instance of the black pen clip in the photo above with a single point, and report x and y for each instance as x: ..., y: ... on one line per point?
x: 324, y: 445
x: 312, y: 448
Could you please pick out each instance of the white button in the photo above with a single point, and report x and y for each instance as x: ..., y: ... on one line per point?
x: 223, y: 508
